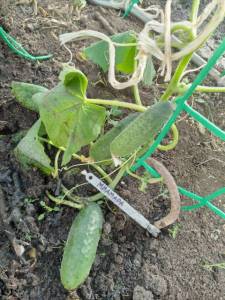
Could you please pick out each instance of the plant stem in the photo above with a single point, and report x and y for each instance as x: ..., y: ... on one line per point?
x: 183, y: 27
x: 186, y: 59
x: 99, y: 196
x: 194, y: 11
x: 64, y: 202
x: 103, y: 173
x: 141, y: 179
x: 55, y: 173
x: 210, y: 89
x: 73, y: 198
x: 135, y: 89
x: 172, y: 86
x: 194, y: 16
x: 76, y: 156
x: 117, y: 103
x: 175, y: 81
x: 137, y: 95
x: 201, y: 89
x: 174, y: 141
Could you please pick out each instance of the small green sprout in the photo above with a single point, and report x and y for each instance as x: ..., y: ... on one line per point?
x: 47, y: 209
x: 210, y: 267
x: 173, y: 231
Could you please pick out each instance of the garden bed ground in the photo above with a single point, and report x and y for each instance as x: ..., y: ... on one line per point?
x: 163, y: 268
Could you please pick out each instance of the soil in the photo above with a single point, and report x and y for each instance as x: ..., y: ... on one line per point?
x: 129, y: 264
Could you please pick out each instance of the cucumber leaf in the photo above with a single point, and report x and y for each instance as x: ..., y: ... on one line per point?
x: 30, y: 151
x: 125, y: 55
x: 24, y: 92
x: 38, y: 98
x: 89, y: 120
x: 70, y: 122
x: 100, y: 150
x: 74, y: 81
x: 149, y: 73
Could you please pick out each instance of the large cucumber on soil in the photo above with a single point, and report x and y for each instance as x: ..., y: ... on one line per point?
x: 81, y: 246
x: 101, y: 148
x: 142, y: 130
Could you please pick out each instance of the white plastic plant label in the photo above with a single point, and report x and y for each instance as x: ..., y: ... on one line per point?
x: 121, y: 203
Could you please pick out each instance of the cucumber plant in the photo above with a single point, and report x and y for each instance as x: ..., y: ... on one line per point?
x: 75, y: 125
x: 69, y: 121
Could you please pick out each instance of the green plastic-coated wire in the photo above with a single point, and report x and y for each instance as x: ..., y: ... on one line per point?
x: 130, y: 6
x: 17, y: 47
x: 182, y: 105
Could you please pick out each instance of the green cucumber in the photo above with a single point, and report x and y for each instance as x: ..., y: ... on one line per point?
x: 142, y: 130
x: 24, y: 92
x: 100, y: 150
x: 81, y: 246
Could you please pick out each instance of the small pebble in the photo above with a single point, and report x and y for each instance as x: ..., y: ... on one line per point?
x: 111, y: 217
x: 30, y: 26
x: 115, y: 248
x: 119, y: 259
x: 107, y: 228
x: 105, y: 241
x: 120, y: 225
x: 122, y: 239
x: 154, y: 244
x: 137, y: 260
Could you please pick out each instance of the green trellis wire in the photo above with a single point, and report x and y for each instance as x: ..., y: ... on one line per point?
x: 17, y: 47
x: 183, y: 106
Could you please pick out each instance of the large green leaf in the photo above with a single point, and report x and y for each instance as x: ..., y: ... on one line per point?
x: 24, y: 92
x: 100, y: 150
x: 30, y: 152
x: 125, y: 55
x: 89, y: 121
x: 69, y: 121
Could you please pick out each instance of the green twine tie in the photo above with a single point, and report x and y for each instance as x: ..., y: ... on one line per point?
x: 18, y: 48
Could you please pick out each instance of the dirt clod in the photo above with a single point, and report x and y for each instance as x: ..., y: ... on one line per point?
x: 141, y: 294
x: 107, y: 228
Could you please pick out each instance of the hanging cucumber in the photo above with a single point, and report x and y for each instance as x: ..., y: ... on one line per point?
x: 81, y: 246
x: 101, y: 148
x: 142, y: 130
